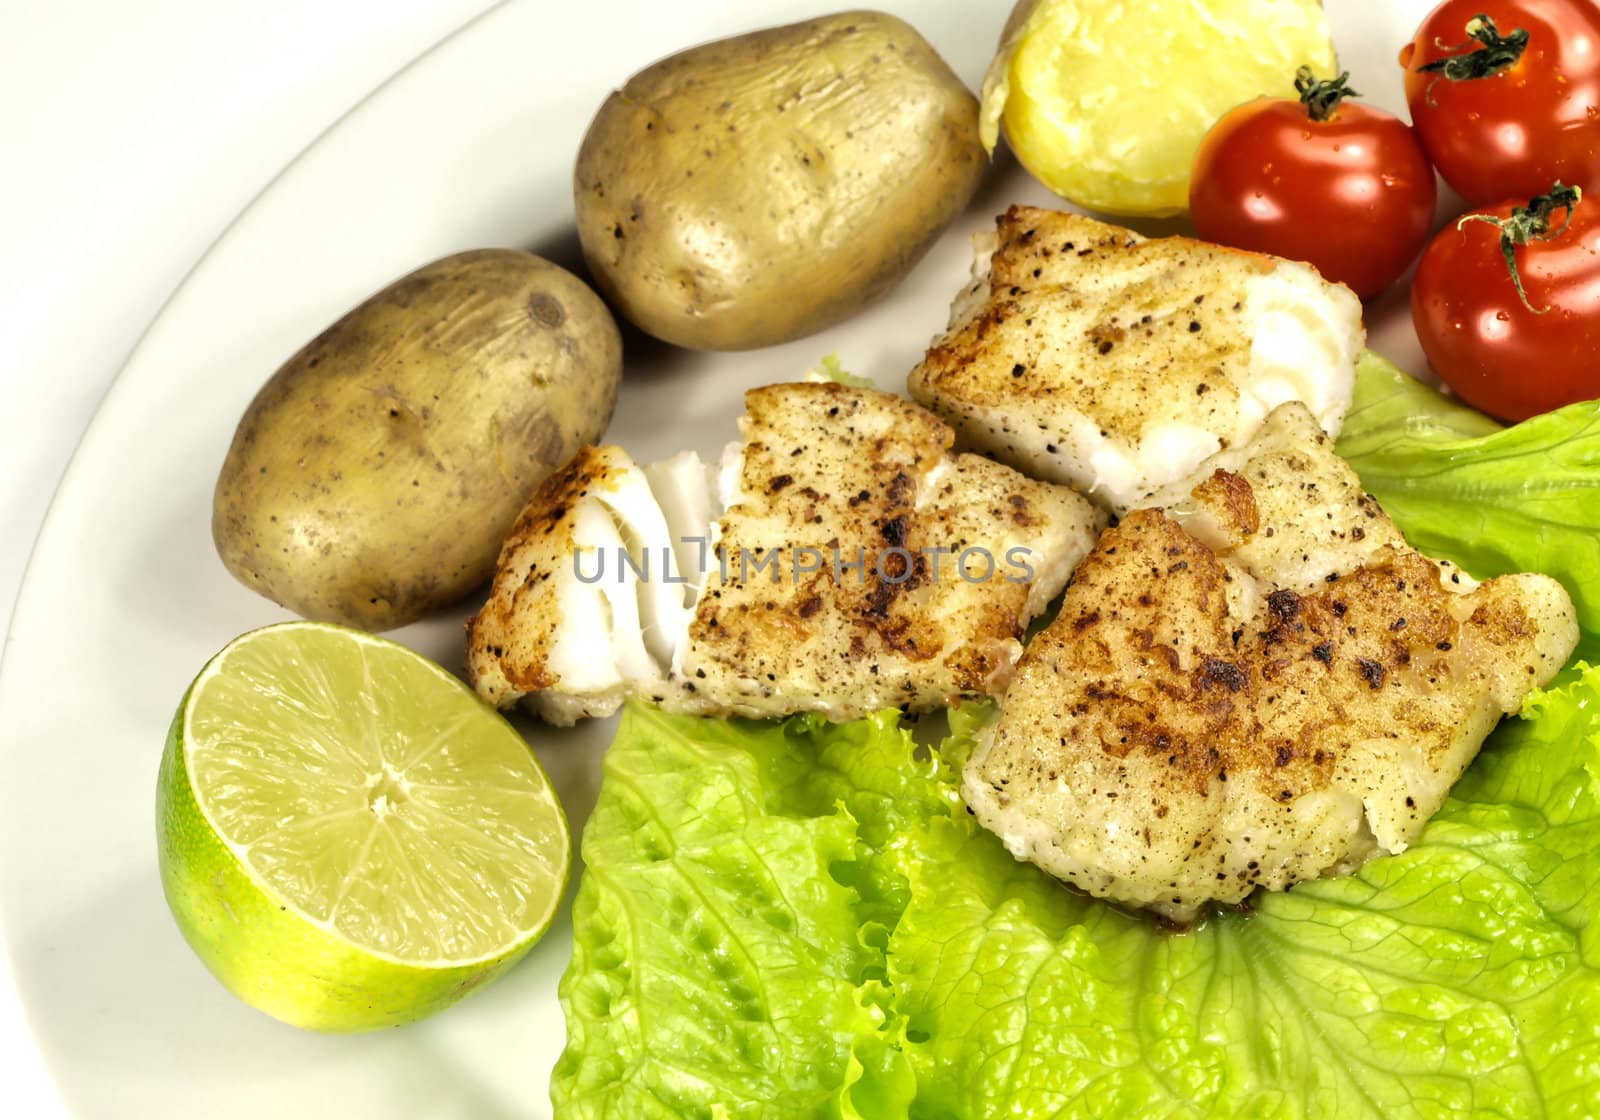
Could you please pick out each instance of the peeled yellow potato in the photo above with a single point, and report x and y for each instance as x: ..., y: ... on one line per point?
x: 1106, y: 101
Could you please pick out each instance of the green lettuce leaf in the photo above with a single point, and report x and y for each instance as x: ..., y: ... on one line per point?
x: 1492, y: 499
x: 831, y: 369
x: 801, y: 920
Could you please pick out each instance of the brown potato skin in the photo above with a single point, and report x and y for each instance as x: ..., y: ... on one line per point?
x: 758, y: 189
x: 375, y: 475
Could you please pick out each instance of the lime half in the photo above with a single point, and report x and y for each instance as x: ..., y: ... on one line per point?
x: 348, y: 837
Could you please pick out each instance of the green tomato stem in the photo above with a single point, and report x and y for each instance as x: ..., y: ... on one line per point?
x: 1486, y: 52
x: 1530, y: 223
x: 1321, y: 98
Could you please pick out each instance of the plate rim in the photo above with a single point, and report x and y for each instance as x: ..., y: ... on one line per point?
x: 25, y: 1011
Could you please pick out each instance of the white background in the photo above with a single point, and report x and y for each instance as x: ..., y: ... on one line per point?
x: 130, y: 136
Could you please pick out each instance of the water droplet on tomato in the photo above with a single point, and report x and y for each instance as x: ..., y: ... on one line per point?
x: 1503, y: 316
x: 1406, y: 52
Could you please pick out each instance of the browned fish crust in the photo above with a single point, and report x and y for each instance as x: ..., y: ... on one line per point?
x: 835, y: 584
x: 510, y: 640
x: 1085, y: 353
x: 1167, y: 674
x: 1257, y: 685
x: 867, y: 477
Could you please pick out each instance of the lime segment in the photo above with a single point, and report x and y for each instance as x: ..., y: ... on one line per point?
x: 348, y: 836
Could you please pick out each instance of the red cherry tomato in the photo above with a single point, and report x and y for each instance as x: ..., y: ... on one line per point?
x: 1532, y: 119
x: 1353, y: 194
x: 1509, y: 357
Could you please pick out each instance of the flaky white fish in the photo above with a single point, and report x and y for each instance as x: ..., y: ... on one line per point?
x: 1086, y: 354
x: 853, y: 564
x: 1253, y: 682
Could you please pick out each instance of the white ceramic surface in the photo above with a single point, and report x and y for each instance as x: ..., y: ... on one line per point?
x: 125, y: 598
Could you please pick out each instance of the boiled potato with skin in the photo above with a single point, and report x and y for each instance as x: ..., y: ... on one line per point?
x: 375, y: 475
x: 757, y: 189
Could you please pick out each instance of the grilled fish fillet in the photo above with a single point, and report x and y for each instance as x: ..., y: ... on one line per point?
x: 1083, y: 353
x: 1255, y: 683
x: 821, y: 570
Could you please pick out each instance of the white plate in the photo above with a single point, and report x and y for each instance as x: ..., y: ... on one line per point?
x: 125, y: 599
